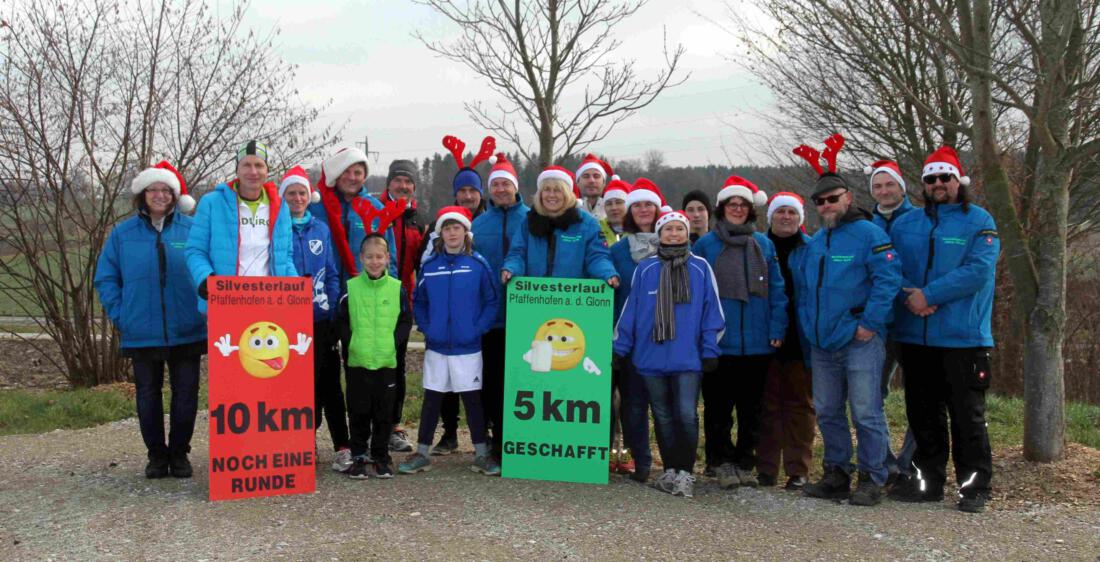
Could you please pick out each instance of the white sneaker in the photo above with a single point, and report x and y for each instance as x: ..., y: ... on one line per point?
x: 399, y: 443
x: 685, y: 484
x: 343, y: 461
x: 666, y: 482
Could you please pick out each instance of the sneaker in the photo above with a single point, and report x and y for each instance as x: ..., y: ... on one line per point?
x: 746, y: 477
x: 915, y: 490
x: 795, y: 483
x: 640, y: 474
x: 399, y: 442
x: 834, y: 485
x: 728, y: 476
x: 179, y: 466
x: 666, y: 482
x: 343, y: 461
x: 415, y: 463
x: 382, y: 470
x: 486, y: 465
x: 766, y: 480
x: 867, y: 492
x: 447, y: 445
x: 685, y: 484
x: 157, y: 467
x: 973, y: 504
x: 627, y: 466
x: 360, y: 469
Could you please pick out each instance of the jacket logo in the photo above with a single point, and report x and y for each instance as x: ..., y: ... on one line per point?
x: 568, y: 238
x: 843, y: 259
x: 316, y: 246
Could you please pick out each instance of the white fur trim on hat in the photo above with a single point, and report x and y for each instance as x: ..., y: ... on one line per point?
x: 757, y: 199
x: 670, y: 217
x: 641, y: 194
x: 502, y: 174
x: 554, y: 175
x: 149, y: 176
x: 591, y: 166
x: 871, y: 172
x: 461, y: 218
x: 614, y: 194
x: 787, y: 201
x: 314, y: 196
x: 337, y: 163
x: 935, y: 168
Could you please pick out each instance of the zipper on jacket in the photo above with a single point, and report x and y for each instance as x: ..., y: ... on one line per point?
x: 928, y: 266
x: 820, y: 281
x: 162, y: 265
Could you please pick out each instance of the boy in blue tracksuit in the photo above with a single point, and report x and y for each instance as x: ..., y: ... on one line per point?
x: 455, y: 304
x: 943, y: 329
x: 669, y: 329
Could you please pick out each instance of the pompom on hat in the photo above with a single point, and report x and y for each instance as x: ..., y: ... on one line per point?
x: 163, y: 172
x: 737, y: 186
x: 298, y: 175
x: 502, y: 168
x: 945, y: 161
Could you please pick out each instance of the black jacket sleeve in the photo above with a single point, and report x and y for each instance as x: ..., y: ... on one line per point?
x: 343, y: 327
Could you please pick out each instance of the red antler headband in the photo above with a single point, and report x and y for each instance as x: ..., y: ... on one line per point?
x: 386, y: 215
x: 833, y: 144
x: 457, y: 147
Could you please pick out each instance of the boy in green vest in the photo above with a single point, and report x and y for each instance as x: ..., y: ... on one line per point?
x: 373, y: 309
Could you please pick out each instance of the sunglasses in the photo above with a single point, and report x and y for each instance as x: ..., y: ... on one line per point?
x: 944, y: 178
x: 819, y: 201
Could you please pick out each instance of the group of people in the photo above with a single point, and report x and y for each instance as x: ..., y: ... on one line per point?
x: 778, y: 326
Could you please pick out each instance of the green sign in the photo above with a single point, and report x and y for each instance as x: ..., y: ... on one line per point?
x: 557, y: 380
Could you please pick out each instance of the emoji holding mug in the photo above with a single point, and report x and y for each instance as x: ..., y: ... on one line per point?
x: 559, y: 345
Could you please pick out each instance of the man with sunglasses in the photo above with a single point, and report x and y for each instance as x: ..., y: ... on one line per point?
x: 846, y: 277
x: 943, y: 329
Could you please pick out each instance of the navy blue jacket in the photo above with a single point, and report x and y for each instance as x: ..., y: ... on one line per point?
x: 456, y: 302
x: 315, y: 256
x: 493, y: 232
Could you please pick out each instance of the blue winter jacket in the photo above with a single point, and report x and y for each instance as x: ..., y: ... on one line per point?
x: 887, y: 223
x: 625, y: 266
x: 952, y: 257
x: 845, y: 277
x: 579, y: 252
x: 456, y: 302
x: 699, y: 323
x: 494, y: 231
x: 751, y: 326
x: 356, y: 233
x: 315, y: 256
x: 212, y: 245
x: 149, y: 298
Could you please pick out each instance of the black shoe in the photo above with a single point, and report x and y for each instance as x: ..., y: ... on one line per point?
x: 710, y: 471
x: 640, y: 474
x: 157, y: 467
x: 910, y: 491
x: 359, y: 469
x: 898, y: 480
x: 766, y: 480
x: 447, y: 445
x: 383, y: 470
x: 867, y: 492
x: 973, y: 504
x: 179, y: 466
x: 834, y: 485
x: 795, y: 483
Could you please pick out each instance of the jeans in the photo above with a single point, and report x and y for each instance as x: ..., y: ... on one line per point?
x: 184, y: 381
x: 852, y: 376
x: 635, y: 416
x: 674, y: 399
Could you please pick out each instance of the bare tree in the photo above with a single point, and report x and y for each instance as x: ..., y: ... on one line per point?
x: 92, y: 92
x: 535, y: 53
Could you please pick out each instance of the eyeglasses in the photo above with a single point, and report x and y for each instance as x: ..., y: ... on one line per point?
x: 738, y: 205
x: 819, y: 201
x: 944, y: 178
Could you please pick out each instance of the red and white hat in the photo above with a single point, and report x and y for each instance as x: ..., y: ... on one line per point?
x: 885, y: 166
x: 163, y: 172
x: 502, y: 168
x: 645, y: 190
x: 672, y: 216
x: 297, y: 175
x: 558, y: 173
x: 616, y: 189
x: 737, y: 186
x: 454, y: 212
x: 945, y: 161
x: 342, y: 160
x: 787, y: 199
x: 591, y: 162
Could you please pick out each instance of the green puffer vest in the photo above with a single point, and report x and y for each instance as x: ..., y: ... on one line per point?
x: 373, y: 306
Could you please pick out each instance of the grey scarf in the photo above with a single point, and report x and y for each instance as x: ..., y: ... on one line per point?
x: 741, y: 251
x: 674, y: 287
x: 642, y: 245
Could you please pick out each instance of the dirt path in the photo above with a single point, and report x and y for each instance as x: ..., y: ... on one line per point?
x: 80, y: 495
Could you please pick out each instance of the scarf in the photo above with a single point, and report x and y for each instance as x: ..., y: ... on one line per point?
x: 740, y: 251
x: 674, y: 287
x: 642, y: 245
x: 301, y: 223
x: 544, y: 226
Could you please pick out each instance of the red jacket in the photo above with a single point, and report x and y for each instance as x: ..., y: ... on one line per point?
x: 408, y: 235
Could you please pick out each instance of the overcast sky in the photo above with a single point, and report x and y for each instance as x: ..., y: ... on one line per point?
x: 361, y: 55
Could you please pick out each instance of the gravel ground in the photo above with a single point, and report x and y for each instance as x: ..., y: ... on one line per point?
x: 80, y: 495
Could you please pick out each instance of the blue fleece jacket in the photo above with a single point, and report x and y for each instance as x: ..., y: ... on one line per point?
x: 456, y: 302
x: 493, y: 232
x: 888, y: 223
x: 579, y: 252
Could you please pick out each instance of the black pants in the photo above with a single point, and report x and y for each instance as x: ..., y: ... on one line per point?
x: 492, y: 388
x: 942, y: 382
x: 737, y: 383
x: 449, y: 414
x: 328, y: 397
x: 402, y: 337
x: 148, y: 383
x: 429, y: 416
x: 370, y: 406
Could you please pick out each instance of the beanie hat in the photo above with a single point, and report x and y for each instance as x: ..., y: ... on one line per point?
x: 254, y: 148
x: 591, y: 162
x: 787, y: 199
x: 297, y: 175
x: 402, y: 168
x: 453, y: 212
x: 502, y: 168
x: 885, y: 166
x: 670, y: 217
x: 645, y: 190
x: 163, y: 172
x: 341, y: 161
x: 697, y: 195
x: 827, y: 180
x: 737, y: 186
x: 466, y: 175
x: 945, y: 161
x: 616, y: 189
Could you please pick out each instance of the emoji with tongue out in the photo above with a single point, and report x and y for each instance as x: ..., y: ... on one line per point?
x: 264, y: 349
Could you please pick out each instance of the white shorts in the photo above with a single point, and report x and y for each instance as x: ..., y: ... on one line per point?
x: 452, y: 373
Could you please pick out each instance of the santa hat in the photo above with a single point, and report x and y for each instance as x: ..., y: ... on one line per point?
x: 455, y: 213
x: 737, y: 186
x: 590, y: 162
x: 502, y: 168
x: 670, y: 217
x: 558, y: 173
x: 297, y: 175
x: 163, y: 172
x: 945, y: 161
x: 885, y: 166
x: 645, y: 190
x: 787, y: 199
x: 342, y: 160
x: 616, y: 189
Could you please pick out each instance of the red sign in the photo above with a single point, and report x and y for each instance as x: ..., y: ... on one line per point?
x: 260, y: 345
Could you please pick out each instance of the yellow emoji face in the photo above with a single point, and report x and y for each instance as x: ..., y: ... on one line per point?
x: 264, y: 350
x: 566, y: 340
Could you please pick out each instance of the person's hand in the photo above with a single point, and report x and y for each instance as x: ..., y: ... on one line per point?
x: 929, y: 311
x: 915, y: 302
x: 505, y: 276
x: 202, y: 288
x: 863, y: 334
x: 776, y: 343
x: 614, y: 282
x: 710, y: 364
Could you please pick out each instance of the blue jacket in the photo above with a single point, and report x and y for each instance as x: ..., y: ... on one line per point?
x: 456, y: 302
x: 152, y: 303
x: 215, y: 236
x: 625, y: 266
x: 356, y: 233
x: 494, y: 231
x: 751, y: 326
x: 579, y: 252
x: 887, y: 223
x: 315, y: 256
x: 958, y: 276
x: 699, y: 323
x: 845, y: 277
